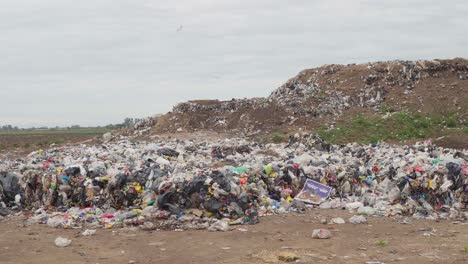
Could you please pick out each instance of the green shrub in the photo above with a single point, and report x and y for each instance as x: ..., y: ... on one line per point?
x: 277, y: 138
x: 399, y: 126
x: 382, y: 243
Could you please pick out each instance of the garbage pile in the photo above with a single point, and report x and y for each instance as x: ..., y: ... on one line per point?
x: 200, y: 184
x: 216, y: 106
x: 145, y: 123
x: 331, y: 91
x: 216, y: 115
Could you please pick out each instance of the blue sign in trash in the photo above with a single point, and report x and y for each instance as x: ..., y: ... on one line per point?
x: 313, y: 192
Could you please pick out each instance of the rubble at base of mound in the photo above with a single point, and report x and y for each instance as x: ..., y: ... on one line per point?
x: 202, y: 184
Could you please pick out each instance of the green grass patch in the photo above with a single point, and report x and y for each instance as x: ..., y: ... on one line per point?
x: 278, y: 138
x: 382, y: 243
x: 398, y: 126
x: 384, y: 108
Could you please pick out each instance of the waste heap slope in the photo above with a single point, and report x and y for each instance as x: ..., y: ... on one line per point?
x: 330, y: 95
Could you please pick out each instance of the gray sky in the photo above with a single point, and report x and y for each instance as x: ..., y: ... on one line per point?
x: 95, y: 62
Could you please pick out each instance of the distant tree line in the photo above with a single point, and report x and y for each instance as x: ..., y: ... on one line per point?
x: 127, y: 123
x: 9, y: 128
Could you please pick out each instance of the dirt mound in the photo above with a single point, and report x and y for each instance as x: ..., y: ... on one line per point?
x: 329, y: 94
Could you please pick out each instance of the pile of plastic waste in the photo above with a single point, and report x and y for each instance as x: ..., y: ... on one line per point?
x: 212, y: 185
x: 329, y: 91
x: 375, y: 83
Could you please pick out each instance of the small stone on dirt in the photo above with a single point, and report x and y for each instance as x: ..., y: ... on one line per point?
x: 62, y: 242
x: 321, y: 234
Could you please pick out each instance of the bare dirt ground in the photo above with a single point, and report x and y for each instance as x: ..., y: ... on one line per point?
x: 21, y: 145
x: 382, y: 240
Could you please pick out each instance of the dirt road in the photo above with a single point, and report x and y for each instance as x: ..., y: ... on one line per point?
x: 383, y: 240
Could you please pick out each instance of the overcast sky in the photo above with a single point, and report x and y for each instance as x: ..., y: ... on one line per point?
x: 95, y: 62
